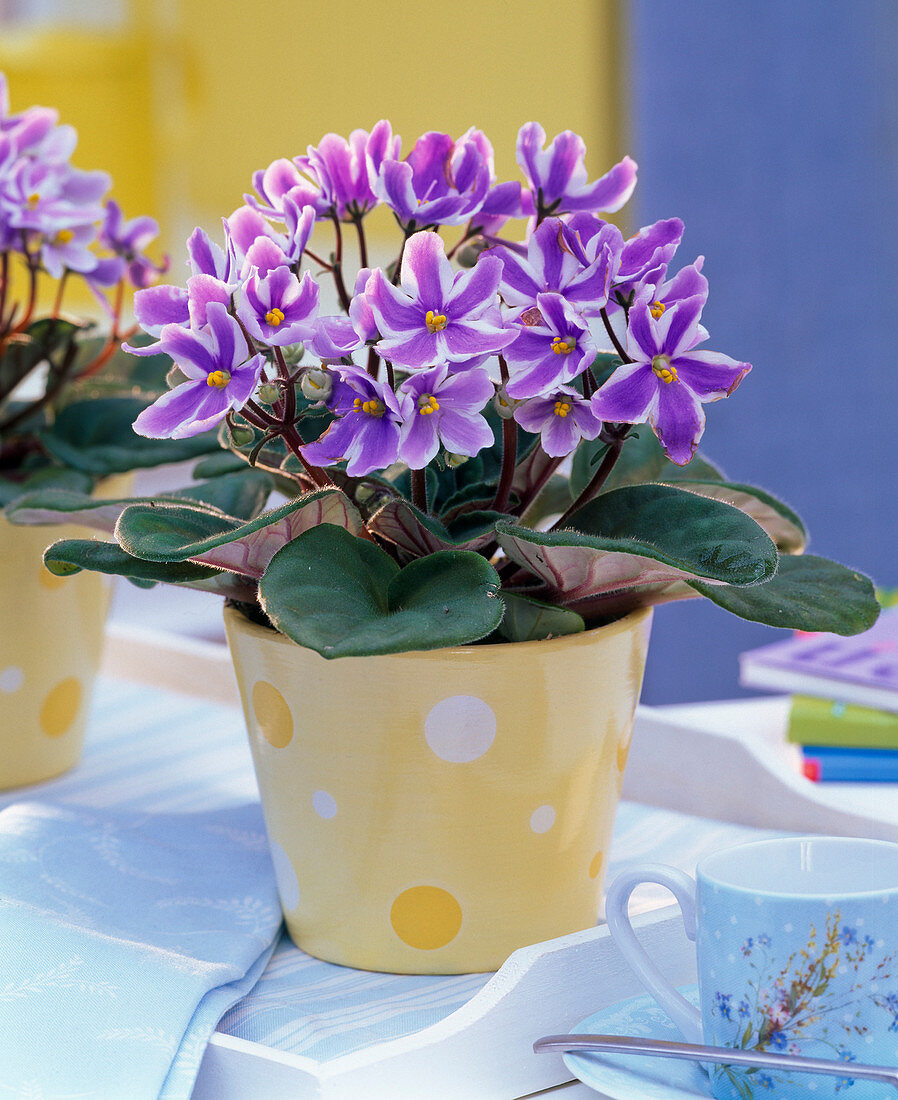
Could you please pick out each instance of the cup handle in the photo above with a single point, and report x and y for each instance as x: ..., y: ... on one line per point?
x: 687, y: 1018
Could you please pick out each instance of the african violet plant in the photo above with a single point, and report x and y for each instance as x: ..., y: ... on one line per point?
x: 502, y: 450
x: 67, y: 394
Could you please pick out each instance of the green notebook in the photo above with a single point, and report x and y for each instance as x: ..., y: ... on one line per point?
x: 815, y: 721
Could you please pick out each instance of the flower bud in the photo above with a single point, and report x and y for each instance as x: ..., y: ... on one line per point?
x: 317, y: 384
x: 503, y: 404
x: 268, y: 393
x: 293, y: 354
x: 453, y: 461
x: 469, y: 253
x: 241, y: 436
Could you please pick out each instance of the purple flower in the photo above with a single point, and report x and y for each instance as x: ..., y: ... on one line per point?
x: 28, y: 128
x: 437, y: 315
x: 277, y: 180
x: 645, y: 257
x: 128, y: 239
x: 439, y: 407
x: 278, y: 308
x: 441, y: 182
x: 222, y: 376
x: 550, y: 351
x: 562, y: 420
x: 69, y: 248
x: 557, y: 174
x: 335, y: 338
x: 557, y: 262
x: 341, y: 168
x: 366, y: 430
x: 668, y: 382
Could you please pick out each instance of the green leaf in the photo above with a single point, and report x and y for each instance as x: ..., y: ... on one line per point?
x: 44, y: 479
x: 28, y: 349
x: 528, y: 620
x: 642, y: 459
x: 171, y: 531
x: 808, y: 593
x: 707, y: 537
x: 215, y: 465
x: 345, y: 597
x: 777, y: 519
x: 242, y: 493
x: 96, y: 436
x: 73, y: 555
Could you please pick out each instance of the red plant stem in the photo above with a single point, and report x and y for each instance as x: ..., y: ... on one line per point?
x: 509, y: 459
x: 419, y: 489
x: 338, y: 263
x: 363, y: 244
x: 373, y: 362
x: 618, y: 347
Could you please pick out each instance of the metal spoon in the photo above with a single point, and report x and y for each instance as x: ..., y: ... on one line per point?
x: 789, y: 1063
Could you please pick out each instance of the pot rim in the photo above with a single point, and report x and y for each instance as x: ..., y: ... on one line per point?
x: 235, y: 619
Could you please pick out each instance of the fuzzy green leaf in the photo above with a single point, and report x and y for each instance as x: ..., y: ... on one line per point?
x: 416, y: 534
x: 528, y: 620
x: 808, y: 593
x: 72, y: 555
x: 778, y: 520
x: 96, y: 436
x: 345, y: 597
x: 178, y: 531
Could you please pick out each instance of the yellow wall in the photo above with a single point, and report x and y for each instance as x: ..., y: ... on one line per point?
x: 187, y: 99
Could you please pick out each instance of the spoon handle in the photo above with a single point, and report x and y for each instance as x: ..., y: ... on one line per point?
x: 789, y: 1063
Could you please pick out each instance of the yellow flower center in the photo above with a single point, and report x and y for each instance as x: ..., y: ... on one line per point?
x: 662, y: 366
x: 657, y: 310
x: 563, y: 346
x: 436, y: 322
x: 274, y: 317
x: 64, y: 236
x: 33, y: 199
x: 218, y: 378
x: 427, y: 404
x: 372, y: 406
x: 562, y: 408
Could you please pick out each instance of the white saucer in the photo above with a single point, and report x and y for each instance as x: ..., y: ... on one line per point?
x: 638, y: 1077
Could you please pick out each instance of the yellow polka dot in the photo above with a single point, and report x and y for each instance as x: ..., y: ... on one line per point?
x: 426, y: 917
x: 49, y: 580
x: 272, y: 714
x: 595, y: 864
x: 61, y: 707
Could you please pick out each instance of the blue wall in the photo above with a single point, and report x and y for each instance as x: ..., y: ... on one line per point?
x: 772, y: 129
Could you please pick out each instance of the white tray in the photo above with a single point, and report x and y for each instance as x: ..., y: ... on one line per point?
x: 721, y: 760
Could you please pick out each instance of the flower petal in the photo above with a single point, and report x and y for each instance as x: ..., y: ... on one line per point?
x: 629, y: 396
x: 678, y: 422
x: 710, y: 374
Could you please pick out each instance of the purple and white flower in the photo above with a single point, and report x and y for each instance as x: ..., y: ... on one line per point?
x: 562, y: 419
x: 128, y: 240
x: 277, y: 308
x: 439, y: 407
x: 556, y: 262
x: 667, y: 381
x: 222, y: 375
x: 553, y: 346
x: 342, y: 168
x: 437, y: 315
x: 441, y: 182
x: 557, y: 174
x: 366, y: 430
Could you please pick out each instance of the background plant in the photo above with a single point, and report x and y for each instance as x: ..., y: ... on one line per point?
x: 67, y: 394
x: 501, y: 449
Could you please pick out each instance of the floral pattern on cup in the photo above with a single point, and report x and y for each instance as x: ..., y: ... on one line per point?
x: 819, y: 989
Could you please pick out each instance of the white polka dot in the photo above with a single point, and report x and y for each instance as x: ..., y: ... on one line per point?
x: 460, y: 729
x: 324, y: 805
x: 288, y: 884
x: 734, y: 919
x: 11, y: 679
x: 542, y: 819
x: 787, y: 927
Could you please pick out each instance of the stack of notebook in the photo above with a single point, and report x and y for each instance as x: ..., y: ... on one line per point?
x: 844, y: 711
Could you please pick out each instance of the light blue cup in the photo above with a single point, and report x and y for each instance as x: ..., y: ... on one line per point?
x: 797, y: 951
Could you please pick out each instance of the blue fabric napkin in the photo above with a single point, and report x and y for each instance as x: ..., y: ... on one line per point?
x: 123, y: 939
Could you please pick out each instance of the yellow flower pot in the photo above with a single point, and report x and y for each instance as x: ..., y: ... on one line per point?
x: 50, y: 649
x: 431, y: 812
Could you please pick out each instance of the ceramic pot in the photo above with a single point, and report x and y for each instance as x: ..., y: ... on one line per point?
x: 430, y: 812
x: 51, y: 643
